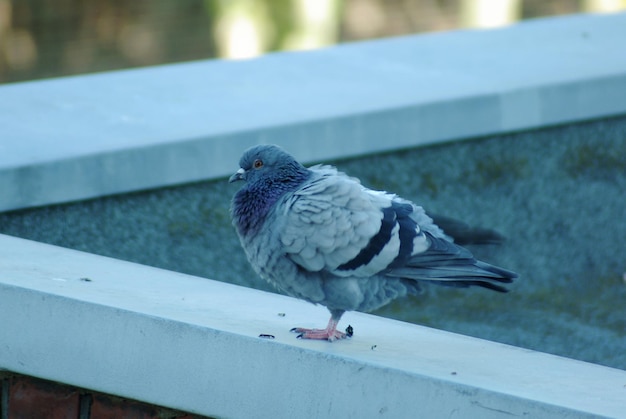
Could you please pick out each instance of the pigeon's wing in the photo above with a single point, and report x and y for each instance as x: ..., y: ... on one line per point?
x: 448, y: 264
x: 334, y: 224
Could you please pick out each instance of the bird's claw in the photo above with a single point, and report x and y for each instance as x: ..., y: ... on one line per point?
x: 322, y: 334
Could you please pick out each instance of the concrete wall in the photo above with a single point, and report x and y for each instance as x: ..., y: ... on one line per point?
x: 547, y: 172
x: 555, y: 194
x: 115, y: 132
x: 193, y: 344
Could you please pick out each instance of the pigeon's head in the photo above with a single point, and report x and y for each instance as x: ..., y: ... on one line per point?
x: 268, y: 162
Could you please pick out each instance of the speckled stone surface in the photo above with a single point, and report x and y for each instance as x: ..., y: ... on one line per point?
x: 558, y: 195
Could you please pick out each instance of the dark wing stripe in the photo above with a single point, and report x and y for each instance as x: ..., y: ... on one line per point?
x: 376, y: 243
x: 408, y: 232
x: 467, y: 284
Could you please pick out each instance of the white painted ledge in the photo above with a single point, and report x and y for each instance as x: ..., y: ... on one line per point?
x: 192, y: 344
x: 87, y: 136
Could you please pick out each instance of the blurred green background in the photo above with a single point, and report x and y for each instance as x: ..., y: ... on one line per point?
x: 52, y: 38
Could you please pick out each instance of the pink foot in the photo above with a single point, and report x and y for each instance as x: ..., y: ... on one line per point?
x: 319, y: 334
x: 330, y: 333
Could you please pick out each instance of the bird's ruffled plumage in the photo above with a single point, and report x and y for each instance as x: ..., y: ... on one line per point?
x: 329, y: 240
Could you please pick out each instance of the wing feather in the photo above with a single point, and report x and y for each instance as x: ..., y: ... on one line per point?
x: 448, y: 264
x: 329, y: 221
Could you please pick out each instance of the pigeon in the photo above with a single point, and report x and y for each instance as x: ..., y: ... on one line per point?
x: 319, y: 235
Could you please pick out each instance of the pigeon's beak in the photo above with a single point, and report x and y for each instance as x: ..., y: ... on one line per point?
x: 239, y: 175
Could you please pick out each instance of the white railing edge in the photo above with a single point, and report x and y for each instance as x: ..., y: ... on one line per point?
x: 193, y: 344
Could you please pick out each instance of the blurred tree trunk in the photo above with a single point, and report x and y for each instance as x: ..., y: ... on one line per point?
x: 488, y: 13
x: 316, y: 24
x: 241, y: 27
x: 603, y: 5
x: 247, y: 28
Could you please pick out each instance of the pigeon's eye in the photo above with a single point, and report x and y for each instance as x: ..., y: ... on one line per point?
x: 258, y: 164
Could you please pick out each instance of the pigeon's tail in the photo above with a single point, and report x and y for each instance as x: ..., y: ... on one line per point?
x: 445, y: 263
x: 463, y: 233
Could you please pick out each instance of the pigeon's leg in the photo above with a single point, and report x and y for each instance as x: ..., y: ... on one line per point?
x: 330, y: 333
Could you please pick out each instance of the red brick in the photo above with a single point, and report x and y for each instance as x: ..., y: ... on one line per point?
x: 108, y: 407
x: 30, y: 398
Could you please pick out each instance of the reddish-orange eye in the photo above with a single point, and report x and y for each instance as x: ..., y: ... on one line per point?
x: 258, y: 164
